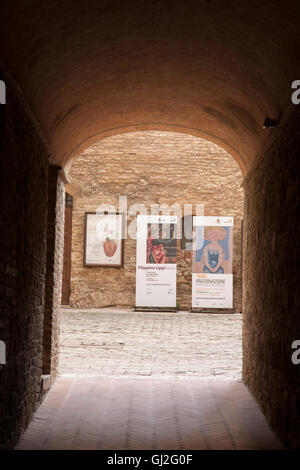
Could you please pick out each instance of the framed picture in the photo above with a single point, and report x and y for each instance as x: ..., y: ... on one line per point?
x: 104, y: 240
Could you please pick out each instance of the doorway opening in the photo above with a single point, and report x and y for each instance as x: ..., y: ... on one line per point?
x: 101, y: 334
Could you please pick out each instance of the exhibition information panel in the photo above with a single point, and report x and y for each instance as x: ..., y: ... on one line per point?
x: 156, y: 258
x: 212, y: 278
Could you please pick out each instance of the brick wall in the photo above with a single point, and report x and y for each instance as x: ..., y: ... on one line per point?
x: 149, y: 167
x: 271, y: 290
x: 23, y: 210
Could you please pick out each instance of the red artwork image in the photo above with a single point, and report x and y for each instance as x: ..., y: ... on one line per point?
x: 110, y: 247
x: 161, y: 246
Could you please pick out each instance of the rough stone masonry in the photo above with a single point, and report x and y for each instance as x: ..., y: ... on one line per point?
x: 151, y: 167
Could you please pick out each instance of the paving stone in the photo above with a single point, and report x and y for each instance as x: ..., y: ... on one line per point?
x: 153, y: 344
x: 147, y: 413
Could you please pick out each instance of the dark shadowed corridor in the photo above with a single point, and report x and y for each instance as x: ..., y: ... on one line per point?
x: 77, y: 72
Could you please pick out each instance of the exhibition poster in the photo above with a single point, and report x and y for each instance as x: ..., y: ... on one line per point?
x: 156, y: 257
x: 212, y: 278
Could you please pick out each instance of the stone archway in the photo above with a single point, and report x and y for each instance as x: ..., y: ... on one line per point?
x: 74, y: 71
x: 150, y: 167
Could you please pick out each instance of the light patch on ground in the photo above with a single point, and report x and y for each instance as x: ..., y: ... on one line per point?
x: 123, y: 343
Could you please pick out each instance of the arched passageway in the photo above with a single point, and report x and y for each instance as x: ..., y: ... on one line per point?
x: 75, y: 72
x: 147, y: 169
x: 100, y: 332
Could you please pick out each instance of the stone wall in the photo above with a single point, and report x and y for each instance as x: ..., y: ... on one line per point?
x: 150, y: 168
x: 53, y: 280
x: 23, y: 224
x: 271, y: 287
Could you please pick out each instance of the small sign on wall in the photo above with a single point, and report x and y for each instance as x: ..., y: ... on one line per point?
x: 2, y: 92
x: 2, y: 352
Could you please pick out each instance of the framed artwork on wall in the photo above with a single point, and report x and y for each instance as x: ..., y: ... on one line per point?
x: 104, y: 240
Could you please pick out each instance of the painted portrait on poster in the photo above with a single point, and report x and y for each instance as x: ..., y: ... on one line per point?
x: 161, y: 244
x: 213, y: 253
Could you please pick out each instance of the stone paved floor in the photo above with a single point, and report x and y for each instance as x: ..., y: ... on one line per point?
x: 118, y: 343
x: 148, y: 413
x: 118, y: 386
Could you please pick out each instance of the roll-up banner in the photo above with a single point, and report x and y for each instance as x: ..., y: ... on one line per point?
x: 156, y: 257
x: 212, y: 279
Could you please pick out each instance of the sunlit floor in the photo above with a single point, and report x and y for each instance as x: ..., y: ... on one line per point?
x: 117, y: 343
x: 132, y: 380
x: 148, y: 413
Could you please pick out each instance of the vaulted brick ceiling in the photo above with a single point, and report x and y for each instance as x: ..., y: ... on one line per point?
x: 98, y: 67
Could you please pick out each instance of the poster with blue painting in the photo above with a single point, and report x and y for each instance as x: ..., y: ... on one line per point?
x: 213, y: 249
x: 212, y: 279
